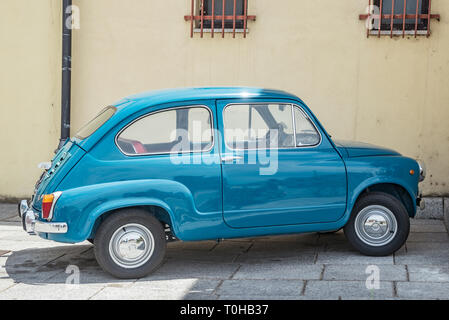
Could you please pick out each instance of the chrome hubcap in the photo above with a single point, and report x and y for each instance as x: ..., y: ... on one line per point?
x: 131, y: 246
x: 376, y: 225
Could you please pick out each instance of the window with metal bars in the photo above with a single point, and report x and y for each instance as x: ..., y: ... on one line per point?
x: 219, y: 16
x: 399, y: 17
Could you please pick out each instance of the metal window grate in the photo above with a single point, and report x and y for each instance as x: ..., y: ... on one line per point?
x: 399, y: 17
x: 229, y: 15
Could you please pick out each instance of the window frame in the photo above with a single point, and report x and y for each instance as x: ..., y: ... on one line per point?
x: 415, y: 31
x: 207, y: 24
x: 202, y: 106
x: 301, y: 110
x: 194, y: 18
x: 293, y: 105
x: 422, y: 26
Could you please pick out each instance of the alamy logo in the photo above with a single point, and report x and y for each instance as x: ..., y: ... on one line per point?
x: 373, y: 280
x: 73, y: 280
x: 73, y: 21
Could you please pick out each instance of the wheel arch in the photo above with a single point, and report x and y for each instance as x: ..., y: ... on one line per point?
x: 394, y: 189
x: 160, y: 212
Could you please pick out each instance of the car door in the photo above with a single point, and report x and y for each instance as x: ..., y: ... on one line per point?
x: 278, y: 168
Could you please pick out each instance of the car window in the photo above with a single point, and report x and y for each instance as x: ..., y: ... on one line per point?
x: 258, y: 126
x: 95, y: 123
x: 177, y: 130
x: 306, y: 133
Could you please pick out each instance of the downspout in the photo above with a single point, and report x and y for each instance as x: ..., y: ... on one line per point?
x: 66, y: 70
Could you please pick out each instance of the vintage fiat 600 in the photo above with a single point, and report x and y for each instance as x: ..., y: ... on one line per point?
x: 216, y: 163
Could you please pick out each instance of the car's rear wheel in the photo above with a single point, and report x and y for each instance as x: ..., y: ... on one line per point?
x: 379, y: 224
x: 130, y: 244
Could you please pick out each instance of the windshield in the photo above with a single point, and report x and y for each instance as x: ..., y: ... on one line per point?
x: 96, y: 123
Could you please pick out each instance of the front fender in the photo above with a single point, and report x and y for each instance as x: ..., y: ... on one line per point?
x: 378, y: 180
x: 368, y: 171
x: 81, y: 207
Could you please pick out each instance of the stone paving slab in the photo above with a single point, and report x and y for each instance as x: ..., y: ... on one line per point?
x: 207, y: 270
x: 360, y: 272
x: 307, y: 266
x: 185, y: 288
x: 435, y: 253
x: 268, y: 288
x: 282, y: 271
x: 440, y: 227
x: 423, y: 290
x: 263, y: 251
x: 259, y: 298
x: 333, y: 290
x: 53, y: 291
x: 224, y: 252
x: 425, y: 221
x: 8, y: 211
x: 428, y: 237
x: 343, y: 253
x: 433, y: 209
x: 423, y: 273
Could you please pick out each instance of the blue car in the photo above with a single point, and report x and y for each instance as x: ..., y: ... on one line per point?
x: 216, y: 163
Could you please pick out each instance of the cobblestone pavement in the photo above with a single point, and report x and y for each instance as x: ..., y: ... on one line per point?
x: 308, y: 266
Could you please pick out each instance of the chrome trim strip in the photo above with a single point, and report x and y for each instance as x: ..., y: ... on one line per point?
x: 294, y: 125
x: 211, y: 115
x: 284, y: 148
x: 314, y: 125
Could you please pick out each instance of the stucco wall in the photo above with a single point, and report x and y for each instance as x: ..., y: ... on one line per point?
x: 391, y: 92
x: 29, y: 91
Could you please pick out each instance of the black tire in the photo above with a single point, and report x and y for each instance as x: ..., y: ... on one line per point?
x: 402, y: 224
x: 113, y: 224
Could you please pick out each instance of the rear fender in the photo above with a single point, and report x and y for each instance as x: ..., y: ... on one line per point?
x: 81, y: 207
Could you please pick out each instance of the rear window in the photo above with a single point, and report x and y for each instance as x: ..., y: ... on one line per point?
x: 96, y: 122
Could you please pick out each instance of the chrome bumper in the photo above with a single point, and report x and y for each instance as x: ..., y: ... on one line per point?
x: 32, y: 225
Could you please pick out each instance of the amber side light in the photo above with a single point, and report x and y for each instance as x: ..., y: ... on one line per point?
x: 412, y: 172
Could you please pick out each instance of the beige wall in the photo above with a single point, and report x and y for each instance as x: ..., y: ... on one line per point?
x: 29, y: 91
x: 392, y: 92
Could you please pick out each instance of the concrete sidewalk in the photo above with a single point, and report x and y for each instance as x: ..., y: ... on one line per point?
x: 308, y: 266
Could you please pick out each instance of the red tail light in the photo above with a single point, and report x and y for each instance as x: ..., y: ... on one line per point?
x: 48, y: 202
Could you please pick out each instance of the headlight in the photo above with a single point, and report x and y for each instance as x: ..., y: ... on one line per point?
x: 422, y: 171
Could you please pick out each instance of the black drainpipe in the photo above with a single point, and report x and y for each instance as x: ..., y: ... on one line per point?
x: 66, y: 71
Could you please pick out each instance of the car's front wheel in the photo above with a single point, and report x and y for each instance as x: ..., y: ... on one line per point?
x: 130, y: 244
x: 379, y: 224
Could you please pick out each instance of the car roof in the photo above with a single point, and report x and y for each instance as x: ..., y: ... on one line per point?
x: 181, y: 94
x: 129, y: 106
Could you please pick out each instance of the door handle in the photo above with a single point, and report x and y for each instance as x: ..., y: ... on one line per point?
x: 230, y: 158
